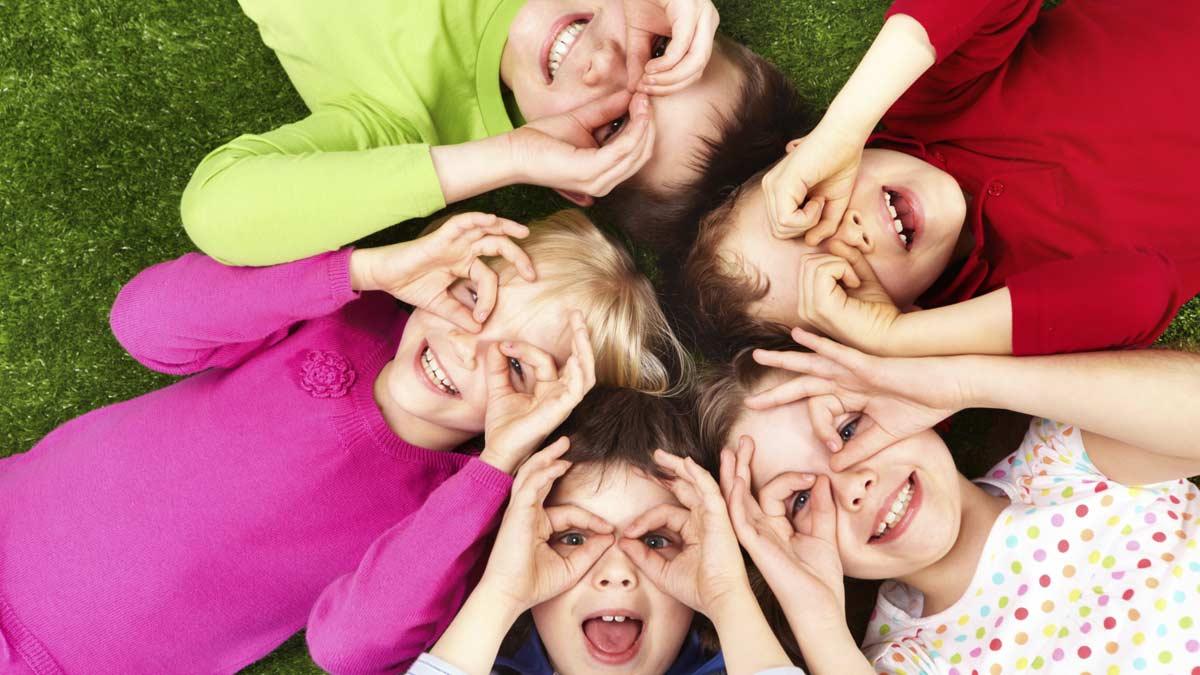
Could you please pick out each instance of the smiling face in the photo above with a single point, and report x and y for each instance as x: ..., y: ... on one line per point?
x: 573, y: 625
x: 928, y: 204
x: 898, y: 512
x: 563, y: 54
x: 437, y: 382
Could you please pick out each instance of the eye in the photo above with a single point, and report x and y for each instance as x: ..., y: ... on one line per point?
x: 606, y: 133
x: 660, y: 46
x: 849, y: 429
x: 474, y: 296
x: 516, y: 367
x: 799, y: 501
x: 572, y: 539
x: 656, y: 541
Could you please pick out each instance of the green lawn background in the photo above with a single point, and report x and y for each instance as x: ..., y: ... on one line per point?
x: 106, y: 106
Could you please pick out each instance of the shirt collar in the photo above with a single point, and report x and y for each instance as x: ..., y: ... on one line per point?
x: 487, y: 67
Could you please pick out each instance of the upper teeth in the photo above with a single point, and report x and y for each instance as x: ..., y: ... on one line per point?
x: 434, y: 371
x: 562, y: 44
x: 618, y: 619
x: 899, y: 508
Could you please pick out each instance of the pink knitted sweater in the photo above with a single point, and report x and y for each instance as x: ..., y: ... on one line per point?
x: 194, y: 528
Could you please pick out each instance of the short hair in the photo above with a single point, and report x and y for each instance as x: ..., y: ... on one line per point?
x: 718, y: 287
x: 583, y: 267
x: 622, y: 428
x: 753, y: 133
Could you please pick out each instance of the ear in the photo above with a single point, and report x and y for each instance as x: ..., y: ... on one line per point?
x: 577, y: 198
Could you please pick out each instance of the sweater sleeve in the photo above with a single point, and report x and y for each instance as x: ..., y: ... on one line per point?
x: 412, y: 580
x: 970, y: 38
x: 1097, y: 301
x: 350, y: 169
x: 193, y: 313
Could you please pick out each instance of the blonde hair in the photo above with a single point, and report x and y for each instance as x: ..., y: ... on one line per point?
x: 580, y: 266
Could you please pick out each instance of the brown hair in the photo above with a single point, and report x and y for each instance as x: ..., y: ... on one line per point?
x: 622, y: 428
x: 766, y: 113
x: 718, y: 287
x: 723, y: 390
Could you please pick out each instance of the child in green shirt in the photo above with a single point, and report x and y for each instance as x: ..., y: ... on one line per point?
x: 414, y: 106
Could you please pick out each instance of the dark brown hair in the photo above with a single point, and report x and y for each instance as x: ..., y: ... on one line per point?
x: 766, y: 113
x: 622, y: 428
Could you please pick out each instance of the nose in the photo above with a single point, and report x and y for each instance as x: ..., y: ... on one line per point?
x: 853, y: 232
x: 614, y: 570
x: 605, y: 63
x: 853, y: 486
x: 464, y: 345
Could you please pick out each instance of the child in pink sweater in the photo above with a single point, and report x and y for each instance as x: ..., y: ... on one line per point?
x: 194, y: 528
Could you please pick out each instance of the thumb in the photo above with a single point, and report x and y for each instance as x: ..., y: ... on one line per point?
x: 601, y: 111
x: 498, y: 383
x: 870, y: 289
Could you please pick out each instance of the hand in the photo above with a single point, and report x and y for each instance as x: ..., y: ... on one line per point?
x: 807, y: 192
x: 421, y: 272
x: 561, y: 152
x: 692, y: 27
x: 707, y: 570
x: 528, y: 565
x: 841, y: 297
x: 901, y: 396
x: 517, y: 421
x: 802, y: 566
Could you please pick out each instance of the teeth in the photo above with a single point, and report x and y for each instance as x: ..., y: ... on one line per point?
x: 619, y: 619
x: 888, y: 196
x: 898, y: 225
x: 891, y: 209
x: 562, y: 45
x: 611, y: 619
x: 435, y: 373
x: 904, y: 238
x: 897, y: 511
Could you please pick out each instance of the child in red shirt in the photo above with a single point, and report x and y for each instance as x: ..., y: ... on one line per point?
x: 1030, y: 184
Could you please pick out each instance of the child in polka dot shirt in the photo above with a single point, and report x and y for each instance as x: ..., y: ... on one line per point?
x: 1077, y: 553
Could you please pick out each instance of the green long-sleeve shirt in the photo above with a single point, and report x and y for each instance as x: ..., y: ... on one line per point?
x: 385, y: 80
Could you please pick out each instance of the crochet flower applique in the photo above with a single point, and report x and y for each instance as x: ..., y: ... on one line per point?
x: 326, y: 374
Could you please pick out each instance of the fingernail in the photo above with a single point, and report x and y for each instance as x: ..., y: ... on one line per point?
x: 833, y: 446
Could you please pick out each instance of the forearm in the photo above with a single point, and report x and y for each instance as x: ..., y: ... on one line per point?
x: 194, y: 313
x: 473, y: 168
x: 412, y: 578
x: 824, y: 638
x: 981, y: 325
x: 1148, y: 399
x: 747, y: 642
x: 473, y: 639
x: 899, y: 55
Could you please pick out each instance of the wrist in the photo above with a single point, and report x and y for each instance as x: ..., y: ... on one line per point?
x: 732, y: 607
x: 359, y: 270
x: 475, y: 167
x: 506, y: 462
x: 495, y: 595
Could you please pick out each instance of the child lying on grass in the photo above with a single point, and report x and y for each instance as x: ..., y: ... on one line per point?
x: 1031, y: 189
x: 414, y: 106
x: 613, y: 557
x: 1076, y: 553
x: 193, y: 529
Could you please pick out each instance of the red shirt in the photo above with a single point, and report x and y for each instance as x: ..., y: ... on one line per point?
x: 1075, y: 130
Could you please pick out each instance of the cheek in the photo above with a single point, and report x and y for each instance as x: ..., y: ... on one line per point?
x: 672, y: 622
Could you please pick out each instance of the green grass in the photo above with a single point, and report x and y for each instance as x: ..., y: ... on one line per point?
x: 106, y: 106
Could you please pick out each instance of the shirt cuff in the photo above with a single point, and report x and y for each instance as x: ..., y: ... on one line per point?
x: 428, y: 664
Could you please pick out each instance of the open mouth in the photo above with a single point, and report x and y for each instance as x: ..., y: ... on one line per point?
x: 613, y: 636
x: 895, y: 515
x: 902, y: 213
x: 560, y: 41
x: 434, y: 374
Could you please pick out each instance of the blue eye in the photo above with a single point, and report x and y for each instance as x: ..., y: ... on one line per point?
x: 656, y: 541
x: 847, y: 432
x: 799, y: 501
x: 572, y: 539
